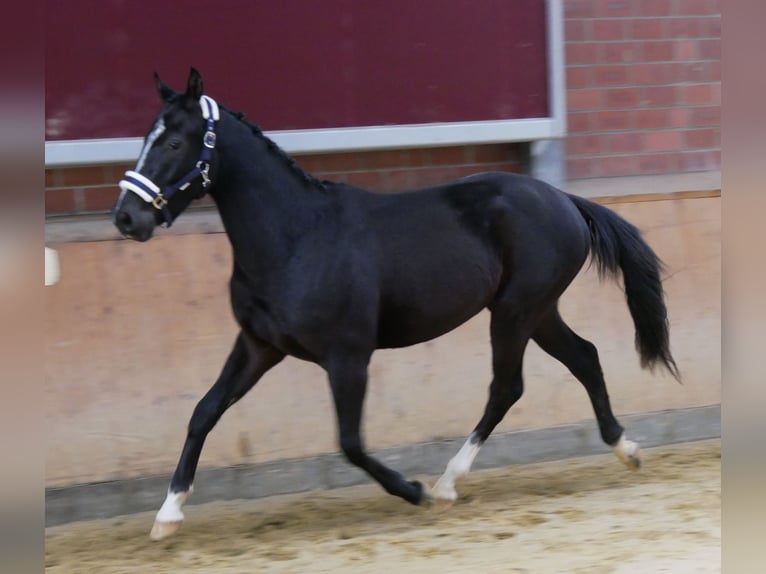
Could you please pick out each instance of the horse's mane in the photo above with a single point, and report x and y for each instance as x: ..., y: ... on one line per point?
x: 279, y: 152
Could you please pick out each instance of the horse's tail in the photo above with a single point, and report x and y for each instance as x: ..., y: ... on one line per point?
x: 617, y: 244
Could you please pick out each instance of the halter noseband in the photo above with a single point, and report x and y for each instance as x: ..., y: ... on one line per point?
x: 150, y: 192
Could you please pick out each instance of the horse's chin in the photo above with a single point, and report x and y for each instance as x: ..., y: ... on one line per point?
x: 141, y: 237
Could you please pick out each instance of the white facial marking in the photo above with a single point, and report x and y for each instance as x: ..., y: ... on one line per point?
x: 170, y: 511
x: 156, y: 132
x: 458, y: 466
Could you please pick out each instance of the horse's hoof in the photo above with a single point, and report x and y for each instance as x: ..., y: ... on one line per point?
x: 162, y: 530
x: 629, y: 453
x: 444, y: 492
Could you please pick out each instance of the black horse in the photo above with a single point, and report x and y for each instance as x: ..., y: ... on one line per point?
x: 329, y: 273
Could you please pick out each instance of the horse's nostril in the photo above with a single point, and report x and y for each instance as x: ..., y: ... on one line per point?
x: 124, y: 220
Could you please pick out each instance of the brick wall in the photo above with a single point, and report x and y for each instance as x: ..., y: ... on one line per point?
x: 643, y: 86
x: 94, y: 188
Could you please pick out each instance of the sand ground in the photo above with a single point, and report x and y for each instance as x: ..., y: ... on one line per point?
x: 587, y: 515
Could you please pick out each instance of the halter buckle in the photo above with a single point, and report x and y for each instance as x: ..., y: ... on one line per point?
x: 159, y: 202
x: 209, y: 139
x: 204, y: 171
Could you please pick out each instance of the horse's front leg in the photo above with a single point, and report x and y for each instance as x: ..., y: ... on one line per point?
x: 246, y: 364
x: 348, y: 380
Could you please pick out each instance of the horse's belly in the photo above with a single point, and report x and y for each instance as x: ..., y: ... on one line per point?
x: 403, y: 327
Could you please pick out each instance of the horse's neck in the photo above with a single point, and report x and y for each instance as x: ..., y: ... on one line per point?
x: 264, y: 203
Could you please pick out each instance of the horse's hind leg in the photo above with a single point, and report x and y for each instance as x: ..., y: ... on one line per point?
x: 581, y: 358
x: 247, y: 362
x: 509, y: 340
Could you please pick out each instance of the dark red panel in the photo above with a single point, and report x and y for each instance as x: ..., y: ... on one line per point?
x: 295, y: 64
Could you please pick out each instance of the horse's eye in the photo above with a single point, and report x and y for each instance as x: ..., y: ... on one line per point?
x: 174, y: 144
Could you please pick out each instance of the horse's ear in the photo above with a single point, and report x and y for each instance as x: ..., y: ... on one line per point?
x: 195, y: 88
x: 164, y: 91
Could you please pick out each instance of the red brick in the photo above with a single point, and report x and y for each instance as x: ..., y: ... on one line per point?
x: 681, y: 27
x: 622, y: 52
x: 653, y: 8
x: 590, y: 144
x: 328, y: 163
x: 652, y: 119
x: 705, y: 116
x: 610, y: 75
x: 700, y: 72
x: 617, y: 166
x: 609, y: 30
x: 578, y: 77
x: 622, y: 97
x: 616, y: 8
x: 660, y: 51
x: 623, y: 143
x: 579, y: 122
x: 703, y: 138
x: 709, y: 27
x: 580, y: 168
x: 115, y: 172
x: 613, y: 120
x: 658, y: 96
x: 686, y: 50
x: 678, y: 117
x: 666, y: 140
x: 701, y: 160
x: 693, y: 7
x: 52, y: 178
x: 99, y: 198
x: 646, y: 29
x: 449, y: 155
x: 582, y: 53
x: 710, y: 49
x: 576, y: 30
x: 400, y: 180
x: 579, y: 8
x: 59, y: 201
x: 495, y: 153
x: 392, y: 158
x: 658, y: 163
x: 372, y: 180
x: 79, y: 176
x: 647, y: 74
x: 438, y: 175
x: 697, y: 94
x: 587, y: 99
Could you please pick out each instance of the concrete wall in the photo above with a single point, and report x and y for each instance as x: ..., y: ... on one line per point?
x: 137, y: 333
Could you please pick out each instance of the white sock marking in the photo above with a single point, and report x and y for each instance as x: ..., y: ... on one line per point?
x: 625, y: 450
x: 170, y: 511
x: 458, y: 466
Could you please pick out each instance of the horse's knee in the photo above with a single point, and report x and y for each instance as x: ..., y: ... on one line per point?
x: 202, y: 420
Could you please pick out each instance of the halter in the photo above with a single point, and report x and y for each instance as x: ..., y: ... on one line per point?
x: 150, y: 192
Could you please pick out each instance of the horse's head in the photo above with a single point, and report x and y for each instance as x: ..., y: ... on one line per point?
x: 174, y: 165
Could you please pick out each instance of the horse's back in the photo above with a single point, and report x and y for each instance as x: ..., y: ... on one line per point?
x: 444, y: 253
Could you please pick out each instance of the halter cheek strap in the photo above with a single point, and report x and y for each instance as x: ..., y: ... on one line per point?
x: 150, y: 192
